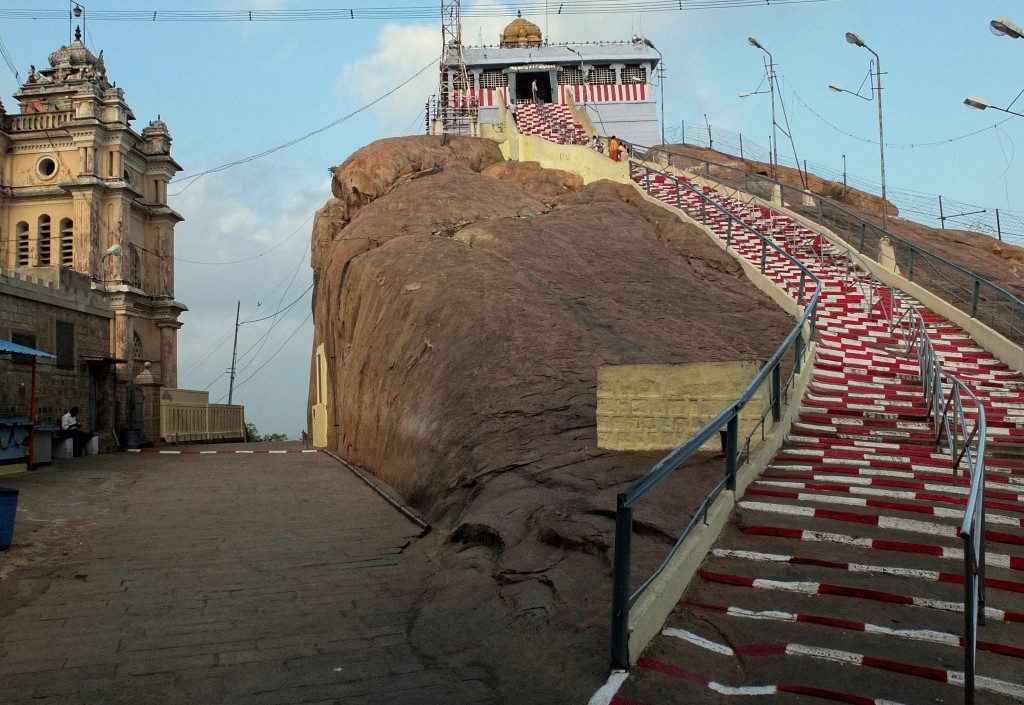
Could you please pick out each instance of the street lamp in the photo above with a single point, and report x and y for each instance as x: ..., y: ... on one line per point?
x: 979, y: 104
x: 853, y: 38
x: 774, y: 153
x: 1002, y: 27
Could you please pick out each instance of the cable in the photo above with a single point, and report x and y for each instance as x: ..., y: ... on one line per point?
x: 277, y: 313
x: 896, y: 144
x: 192, y: 178
x: 256, y: 371
x: 250, y: 259
x: 377, y: 12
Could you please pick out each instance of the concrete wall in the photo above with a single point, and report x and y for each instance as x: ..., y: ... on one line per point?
x: 584, y: 161
x: 657, y: 407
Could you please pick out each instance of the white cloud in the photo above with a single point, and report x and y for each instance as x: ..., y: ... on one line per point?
x: 400, y: 52
x: 233, y: 216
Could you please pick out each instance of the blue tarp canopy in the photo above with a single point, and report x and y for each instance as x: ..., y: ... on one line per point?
x: 7, y: 346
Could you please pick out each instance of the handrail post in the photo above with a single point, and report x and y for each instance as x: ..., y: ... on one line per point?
x: 800, y: 292
x: 970, y: 615
x: 777, y: 393
x: 764, y: 256
x: 732, y: 432
x: 679, y: 196
x: 910, y: 264
x: 620, y: 583
x: 975, y: 297
x: 863, y: 235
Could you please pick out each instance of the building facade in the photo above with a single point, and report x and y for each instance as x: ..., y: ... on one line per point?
x: 81, y: 190
x: 612, y: 81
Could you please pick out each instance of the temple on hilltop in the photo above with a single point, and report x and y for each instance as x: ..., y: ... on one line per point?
x: 611, y: 83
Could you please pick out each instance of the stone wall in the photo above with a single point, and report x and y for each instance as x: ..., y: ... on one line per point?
x: 34, y: 306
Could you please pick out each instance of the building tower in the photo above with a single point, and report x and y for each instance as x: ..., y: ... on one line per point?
x: 456, y: 109
x: 81, y: 190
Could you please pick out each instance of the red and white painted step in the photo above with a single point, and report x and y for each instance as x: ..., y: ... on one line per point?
x: 839, y: 577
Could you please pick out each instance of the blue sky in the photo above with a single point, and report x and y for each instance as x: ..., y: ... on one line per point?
x: 230, y: 90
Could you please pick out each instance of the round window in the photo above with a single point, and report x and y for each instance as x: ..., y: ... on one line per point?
x: 46, y: 167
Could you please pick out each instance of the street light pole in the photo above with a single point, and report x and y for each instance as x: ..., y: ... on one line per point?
x: 857, y: 41
x: 774, y: 153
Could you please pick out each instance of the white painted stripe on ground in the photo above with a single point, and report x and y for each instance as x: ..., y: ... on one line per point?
x: 606, y: 692
x: 744, y: 689
x: 698, y: 641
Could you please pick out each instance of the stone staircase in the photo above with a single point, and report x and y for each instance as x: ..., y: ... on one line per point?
x: 840, y: 575
x: 552, y: 121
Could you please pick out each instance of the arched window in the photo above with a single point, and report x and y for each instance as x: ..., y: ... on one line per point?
x: 43, y: 241
x: 22, y: 244
x: 67, y: 242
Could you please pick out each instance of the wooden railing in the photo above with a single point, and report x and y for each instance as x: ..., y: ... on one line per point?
x: 187, y: 416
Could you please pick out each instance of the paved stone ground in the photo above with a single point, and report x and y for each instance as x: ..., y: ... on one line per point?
x: 214, y: 579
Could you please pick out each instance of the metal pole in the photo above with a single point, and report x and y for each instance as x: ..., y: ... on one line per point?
x: 32, y: 419
x: 741, y: 148
x: 711, y: 143
x: 844, y: 174
x: 661, y: 70
x: 234, y: 353
x: 775, y: 139
x: 881, y: 142
x: 999, y: 231
x: 942, y: 218
x: 620, y: 583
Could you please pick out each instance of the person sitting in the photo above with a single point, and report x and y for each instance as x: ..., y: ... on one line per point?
x: 70, y: 428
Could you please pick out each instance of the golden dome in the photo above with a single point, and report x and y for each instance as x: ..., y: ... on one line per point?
x: 521, y: 33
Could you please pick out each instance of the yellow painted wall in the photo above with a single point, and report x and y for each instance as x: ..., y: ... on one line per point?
x: 657, y: 407
x: 319, y: 410
x: 576, y: 159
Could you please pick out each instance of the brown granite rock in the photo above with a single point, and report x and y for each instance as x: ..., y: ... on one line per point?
x: 464, y: 317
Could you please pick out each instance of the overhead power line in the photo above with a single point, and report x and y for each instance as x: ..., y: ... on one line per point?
x: 384, y: 13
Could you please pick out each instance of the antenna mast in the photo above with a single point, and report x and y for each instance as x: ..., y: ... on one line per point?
x: 457, y: 104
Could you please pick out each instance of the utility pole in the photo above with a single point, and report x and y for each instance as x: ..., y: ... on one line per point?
x: 234, y: 353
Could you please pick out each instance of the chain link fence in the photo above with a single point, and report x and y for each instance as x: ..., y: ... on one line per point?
x: 926, y: 209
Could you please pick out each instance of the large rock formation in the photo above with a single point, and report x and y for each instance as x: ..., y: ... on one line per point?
x: 465, y: 305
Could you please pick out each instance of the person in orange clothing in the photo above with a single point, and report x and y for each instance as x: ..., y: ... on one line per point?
x: 613, y: 148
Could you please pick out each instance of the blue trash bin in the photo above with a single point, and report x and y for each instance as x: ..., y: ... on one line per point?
x: 8, y: 506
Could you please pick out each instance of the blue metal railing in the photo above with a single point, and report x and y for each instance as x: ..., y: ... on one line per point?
x: 622, y: 597
x: 964, y: 440
x: 980, y: 298
x: 965, y: 443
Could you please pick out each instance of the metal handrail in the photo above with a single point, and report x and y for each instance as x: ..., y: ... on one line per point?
x: 979, y: 297
x: 963, y: 440
x: 622, y: 597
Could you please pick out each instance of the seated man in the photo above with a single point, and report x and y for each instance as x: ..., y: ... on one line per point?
x: 70, y: 428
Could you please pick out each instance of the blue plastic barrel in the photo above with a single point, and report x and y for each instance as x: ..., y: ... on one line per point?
x: 8, y: 506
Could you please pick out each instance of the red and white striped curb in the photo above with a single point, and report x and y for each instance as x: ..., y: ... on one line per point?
x: 929, y: 635
x: 995, y: 560
x: 880, y: 520
x: 992, y: 685
x: 810, y: 691
x: 156, y: 451
x: 868, y: 485
x: 845, y: 500
x: 935, y: 576
x: 808, y: 587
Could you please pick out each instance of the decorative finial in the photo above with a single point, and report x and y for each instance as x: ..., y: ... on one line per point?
x: 519, y: 14
x: 78, y: 33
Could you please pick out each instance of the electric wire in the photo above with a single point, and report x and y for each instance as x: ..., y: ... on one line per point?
x: 192, y: 178
x: 250, y: 259
x: 379, y: 12
x: 268, y: 360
